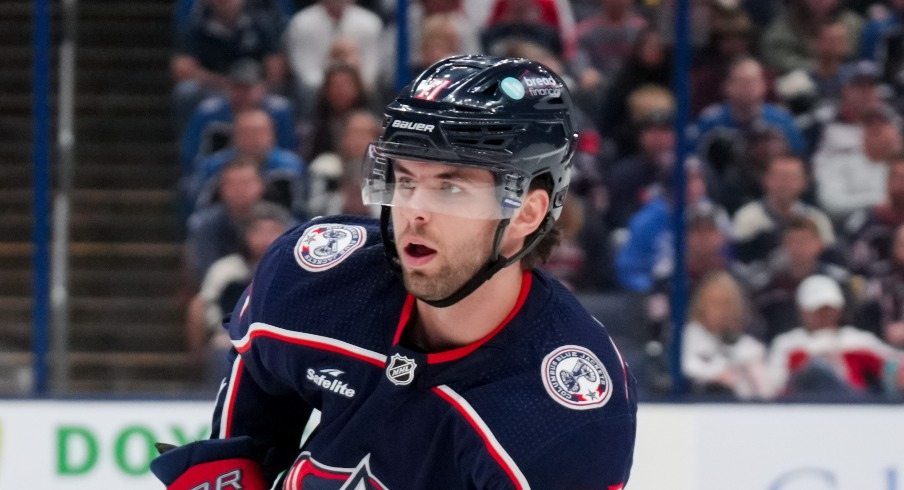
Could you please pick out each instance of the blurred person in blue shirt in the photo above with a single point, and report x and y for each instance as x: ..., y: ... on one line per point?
x: 745, y: 92
x: 210, y: 128
x: 253, y: 135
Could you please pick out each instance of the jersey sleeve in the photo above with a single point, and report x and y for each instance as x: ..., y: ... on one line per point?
x: 254, y: 402
x: 598, y: 455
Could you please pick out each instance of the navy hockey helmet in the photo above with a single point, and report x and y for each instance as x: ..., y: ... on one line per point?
x: 511, y: 116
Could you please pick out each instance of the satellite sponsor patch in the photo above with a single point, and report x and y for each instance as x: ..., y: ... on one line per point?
x: 575, y: 378
x: 324, y: 246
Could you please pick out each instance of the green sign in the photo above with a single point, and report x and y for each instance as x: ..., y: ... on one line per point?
x: 79, y: 449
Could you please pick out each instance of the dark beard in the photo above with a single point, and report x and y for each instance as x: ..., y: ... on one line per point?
x: 447, y: 281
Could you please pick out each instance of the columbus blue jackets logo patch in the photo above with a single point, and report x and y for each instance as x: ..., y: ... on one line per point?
x: 325, y: 245
x: 575, y: 378
x: 400, y: 369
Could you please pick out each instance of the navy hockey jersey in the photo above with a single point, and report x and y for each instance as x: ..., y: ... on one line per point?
x: 545, y: 401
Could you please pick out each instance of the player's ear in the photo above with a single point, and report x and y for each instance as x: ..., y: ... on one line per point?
x: 531, y: 213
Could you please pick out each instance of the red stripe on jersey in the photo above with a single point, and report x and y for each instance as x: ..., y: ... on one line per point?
x: 307, y: 342
x: 454, y: 354
x: 489, y: 440
x: 307, y: 468
x: 406, y: 315
x: 233, y: 394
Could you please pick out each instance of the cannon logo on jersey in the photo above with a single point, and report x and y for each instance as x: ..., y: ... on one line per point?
x: 328, y: 379
x: 326, y: 245
x: 308, y: 473
x: 575, y: 378
x: 401, y: 369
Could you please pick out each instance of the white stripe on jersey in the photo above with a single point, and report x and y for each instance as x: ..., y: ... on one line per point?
x: 225, y: 417
x: 258, y: 328
x: 474, y: 417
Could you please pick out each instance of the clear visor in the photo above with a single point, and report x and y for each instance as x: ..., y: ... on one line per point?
x: 470, y: 190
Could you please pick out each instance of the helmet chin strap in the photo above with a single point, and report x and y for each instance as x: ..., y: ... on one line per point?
x: 496, y: 263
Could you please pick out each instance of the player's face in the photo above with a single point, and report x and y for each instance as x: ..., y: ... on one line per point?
x: 439, y: 252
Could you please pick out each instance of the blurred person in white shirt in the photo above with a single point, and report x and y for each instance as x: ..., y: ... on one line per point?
x: 718, y: 357
x: 825, y: 358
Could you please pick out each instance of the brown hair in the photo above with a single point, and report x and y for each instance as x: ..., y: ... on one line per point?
x: 540, y: 254
x: 737, y: 299
x: 803, y: 223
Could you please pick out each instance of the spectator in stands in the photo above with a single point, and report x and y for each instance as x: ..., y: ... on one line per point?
x: 707, y: 251
x: 342, y: 92
x: 522, y: 20
x: 223, y: 285
x: 870, y: 231
x: 648, y: 253
x: 810, y: 94
x: 823, y: 358
x: 831, y: 67
x: 787, y: 43
x: 568, y: 260
x: 335, y: 177
x: 758, y: 226
x: 740, y: 179
x: 441, y: 39
x: 848, y: 167
x: 557, y: 14
x: 874, y: 40
x: 885, y: 292
x: 649, y: 64
x: 466, y: 29
x: 253, y: 136
x: 773, y: 286
x: 731, y: 38
x: 313, y: 29
x: 344, y: 51
x: 604, y: 42
x: 213, y: 232
x: 882, y: 133
x: 633, y: 180
x: 224, y: 32
x: 745, y: 91
x: 717, y: 356
x: 280, y: 10
x: 640, y: 104
x: 210, y: 128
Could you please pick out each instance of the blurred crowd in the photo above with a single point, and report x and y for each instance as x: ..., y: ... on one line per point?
x: 794, y: 188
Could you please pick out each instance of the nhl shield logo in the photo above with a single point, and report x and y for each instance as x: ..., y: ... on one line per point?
x: 326, y: 245
x: 400, y: 369
x: 575, y: 378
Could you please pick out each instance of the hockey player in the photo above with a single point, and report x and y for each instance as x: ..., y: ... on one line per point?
x: 454, y: 363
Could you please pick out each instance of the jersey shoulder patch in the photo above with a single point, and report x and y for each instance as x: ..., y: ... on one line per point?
x: 323, y: 246
x: 575, y: 378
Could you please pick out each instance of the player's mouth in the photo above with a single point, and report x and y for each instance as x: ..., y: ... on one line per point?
x: 417, y: 254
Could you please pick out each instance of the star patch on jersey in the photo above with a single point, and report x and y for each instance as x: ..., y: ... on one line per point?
x: 575, y: 378
x: 324, y: 246
x: 400, y: 369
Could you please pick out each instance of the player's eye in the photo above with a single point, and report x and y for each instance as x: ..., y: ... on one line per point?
x: 450, y: 188
x: 405, y: 183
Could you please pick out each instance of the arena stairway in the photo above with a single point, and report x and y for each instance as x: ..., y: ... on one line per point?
x: 126, y: 302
